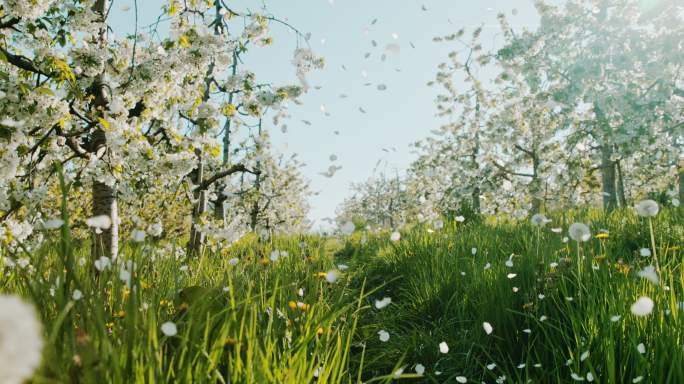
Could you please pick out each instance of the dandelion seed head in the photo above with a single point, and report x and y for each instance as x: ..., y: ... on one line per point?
x: 647, y: 208
x: 649, y: 273
x: 331, y: 276
x: 642, y: 307
x: 21, y: 341
x: 579, y: 232
x: 169, y: 329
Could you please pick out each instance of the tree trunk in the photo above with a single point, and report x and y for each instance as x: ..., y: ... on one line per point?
x: 476, y: 200
x: 608, y: 178
x: 681, y: 184
x: 219, y: 209
x: 535, y: 185
x: 196, y: 236
x: 254, y: 216
x: 535, y: 190
x: 106, y: 242
x: 622, y: 197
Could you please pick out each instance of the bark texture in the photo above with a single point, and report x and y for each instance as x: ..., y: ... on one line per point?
x: 105, y: 241
x: 608, y: 178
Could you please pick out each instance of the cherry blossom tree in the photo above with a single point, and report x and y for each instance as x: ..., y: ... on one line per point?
x: 123, y: 114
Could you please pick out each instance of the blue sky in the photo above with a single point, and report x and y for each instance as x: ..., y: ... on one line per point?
x: 341, y: 31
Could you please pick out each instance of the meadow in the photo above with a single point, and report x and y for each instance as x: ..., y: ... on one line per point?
x: 475, y: 301
x: 171, y: 175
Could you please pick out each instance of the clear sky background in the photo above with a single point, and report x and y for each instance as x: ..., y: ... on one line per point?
x: 342, y: 32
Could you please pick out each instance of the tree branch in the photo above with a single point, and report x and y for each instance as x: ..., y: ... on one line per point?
x: 232, y: 170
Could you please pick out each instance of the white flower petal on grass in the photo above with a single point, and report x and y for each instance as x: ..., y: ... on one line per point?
x: 275, y: 255
x: 543, y: 318
x: 342, y: 267
x: 100, y: 222
x: 584, y: 355
x: 527, y: 330
x: 125, y: 276
x: 473, y: 251
x: 637, y: 379
x: 645, y: 252
x: 487, y: 328
x: 649, y: 273
x: 461, y: 379
x: 641, y: 348
x: 460, y: 219
x: 380, y: 304
x: 53, y: 224
x: 77, y: 295
x: 169, y: 329
x: 156, y: 229
x: 443, y: 347
x: 615, y: 318
x: 647, y: 208
x: 102, y: 263
x: 487, y: 266
x: 138, y: 235
x: 557, y: 230
x: 642, y: 307
x: 331, y: 276
x: 676, y: 203
x: 234, y: 261
x: 491, y: 366
x: 579, y: 232
x: 576, y: 377
x: 383, y: 335
x: 522, y: 365
x: 21, y: 341
x: 590, y: 377
x: 395, y: 236
x: 420, y: 369
x: 511, y: 275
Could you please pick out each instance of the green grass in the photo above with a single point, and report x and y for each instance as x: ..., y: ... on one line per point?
x: 236, y: 323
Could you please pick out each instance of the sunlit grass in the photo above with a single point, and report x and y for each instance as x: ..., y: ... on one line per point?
x: 241, y: 317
